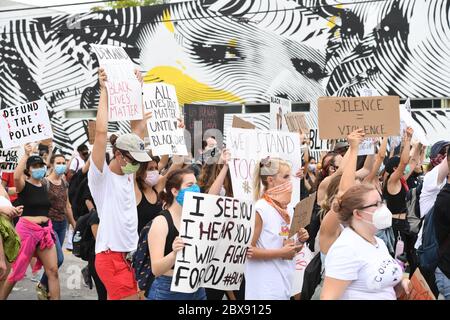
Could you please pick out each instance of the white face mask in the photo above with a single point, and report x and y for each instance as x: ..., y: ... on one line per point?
x: 381, y: 218
x: 152, y: 177
x: 312, y: 167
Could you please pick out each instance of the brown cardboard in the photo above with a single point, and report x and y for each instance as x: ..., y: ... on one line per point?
x: 91, y: 131
x: 419, y: 288
x: 302, y: 214
x: 296, y: 122
x: 378, y: 116
x: 242, y: 124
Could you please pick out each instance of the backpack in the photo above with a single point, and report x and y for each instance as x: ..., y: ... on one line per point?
x: 141, y: 261
x: 83, y: 240
x: 428, y: 251
x: 413, y: 209
x: 77, y: 188
x: 312, y: 277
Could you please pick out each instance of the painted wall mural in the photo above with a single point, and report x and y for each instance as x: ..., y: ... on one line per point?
x: 232, y: 51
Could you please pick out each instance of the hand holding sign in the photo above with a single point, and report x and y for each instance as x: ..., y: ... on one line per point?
x: 102, y: 78
x: 177, y: 244
x: 28, y: 149
x: 355, y: 138
x: 409, y: 133
x: 303, y: 235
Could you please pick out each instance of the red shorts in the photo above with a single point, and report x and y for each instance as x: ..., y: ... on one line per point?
x: 116, y: 274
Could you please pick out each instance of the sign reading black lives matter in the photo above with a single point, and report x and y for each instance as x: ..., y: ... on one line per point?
x: 217, y: 232
x: 124, y: 90
x: 23, y: 124
x: 11, y: 157
x: 165, y: 135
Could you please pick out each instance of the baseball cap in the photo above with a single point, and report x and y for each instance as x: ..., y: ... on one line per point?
x: 32, y: 160
x: 341, y: 145
x: 134, y: 145
x: 437, y: 147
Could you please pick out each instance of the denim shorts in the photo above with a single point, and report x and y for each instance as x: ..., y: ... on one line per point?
x: 160, y: 290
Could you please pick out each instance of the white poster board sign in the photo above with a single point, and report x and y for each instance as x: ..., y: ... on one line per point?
x: 406, y: 117
x: 165, y: 137
x: 124, y: 90
x: 278, y: 108
x: 23, y: 124
x: 247, y: 147
x: 217, y: 232
x: 302, y: 259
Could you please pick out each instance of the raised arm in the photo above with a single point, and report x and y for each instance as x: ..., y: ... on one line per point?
x: 19, y: 175
x: 349, y: 172
x: 367, y: 168
x: 177, y: 163
x: 86, y: 166
x: 101, y: 128
x: 218, y: 183
x: 378, y: 161
x: 415, y: 159
x: 404, y: 158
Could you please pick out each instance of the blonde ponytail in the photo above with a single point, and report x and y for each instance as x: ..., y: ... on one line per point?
x: 264, y: 168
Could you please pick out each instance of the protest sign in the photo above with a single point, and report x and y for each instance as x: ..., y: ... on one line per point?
x: 11, y: 157
x: 23, y: 124
x: 249, y: 146
x: 278, y: 108
x: 296, y: 122
x: 217, y: 232
x: 124, y: 90
x: 302, y: 259
x: 377, y: 116
x: 91, y: 131
x: 367, y: 147
x: 302, y: 214
x: 419, y: 288
x: 407, y: 119
x: 165, y: 136
x: 239, y: 123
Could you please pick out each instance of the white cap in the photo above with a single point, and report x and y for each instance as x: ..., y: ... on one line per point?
x: 134, y: 145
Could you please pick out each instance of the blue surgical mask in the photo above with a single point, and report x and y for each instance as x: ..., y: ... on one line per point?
x: 60, y: 169
x: 38, y: 173
x: 180, y: 196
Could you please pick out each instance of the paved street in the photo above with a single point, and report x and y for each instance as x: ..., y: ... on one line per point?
x: 71, y: 281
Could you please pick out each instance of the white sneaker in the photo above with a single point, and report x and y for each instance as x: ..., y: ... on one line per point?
x: 35, y: 277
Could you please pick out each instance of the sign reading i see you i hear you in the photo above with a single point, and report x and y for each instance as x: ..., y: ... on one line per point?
x: 23, y: 124
x: 124, y: 90
x: 247, y: 147
x: 165, y: 135
x: 217, y: 232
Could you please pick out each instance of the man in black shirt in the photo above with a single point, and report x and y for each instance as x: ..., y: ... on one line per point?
x: 442, y: 225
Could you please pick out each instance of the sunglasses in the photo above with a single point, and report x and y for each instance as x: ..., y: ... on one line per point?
x: 378, y: 204
x: 130, y: 159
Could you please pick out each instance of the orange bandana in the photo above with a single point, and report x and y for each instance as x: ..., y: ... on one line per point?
x: 279, y: 197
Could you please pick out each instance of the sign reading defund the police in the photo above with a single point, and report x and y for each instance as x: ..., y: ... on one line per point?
x: 23, y: 124
x: 124, y: 90
x: 165, y: 136
x: 217, y: 232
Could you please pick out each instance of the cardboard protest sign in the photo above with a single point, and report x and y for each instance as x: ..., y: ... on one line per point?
x: 302, y: 259
x: 296, y: 122
x: 302, y: 214
x: 247, y: 147
x: 91, y: 131
x: 217, y: 232
x: 239, y: 123
x: 165, y: 136
x: 23, y: 124
x: 278, y: 108
x: 377, y: 116
x: 419, y: 288
x: 124, y: 90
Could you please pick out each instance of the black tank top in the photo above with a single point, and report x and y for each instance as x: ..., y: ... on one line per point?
x: 171, y: 234
x: 34, y: 200
x: 395, y: 203
x: 147, y: 211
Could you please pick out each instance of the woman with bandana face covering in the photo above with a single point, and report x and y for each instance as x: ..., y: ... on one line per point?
x: 34, y: 227
x: 270, y: 268
x: 112, y: 188
x: 358, y: 265
x: 60, y: 210
x: 163, y: 237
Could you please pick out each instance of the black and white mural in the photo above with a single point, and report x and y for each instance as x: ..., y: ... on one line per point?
x: 232, y: 51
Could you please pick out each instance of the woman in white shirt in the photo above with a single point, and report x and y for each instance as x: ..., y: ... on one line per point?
x: 271, y: 267
x: 358, y: 265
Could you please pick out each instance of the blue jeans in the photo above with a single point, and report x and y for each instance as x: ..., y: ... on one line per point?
x: 160, y: 290
x: 60, y: 228
x: 443, y: 283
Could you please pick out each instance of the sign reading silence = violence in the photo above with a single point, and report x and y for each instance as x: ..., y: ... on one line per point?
x: 377, y: 116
